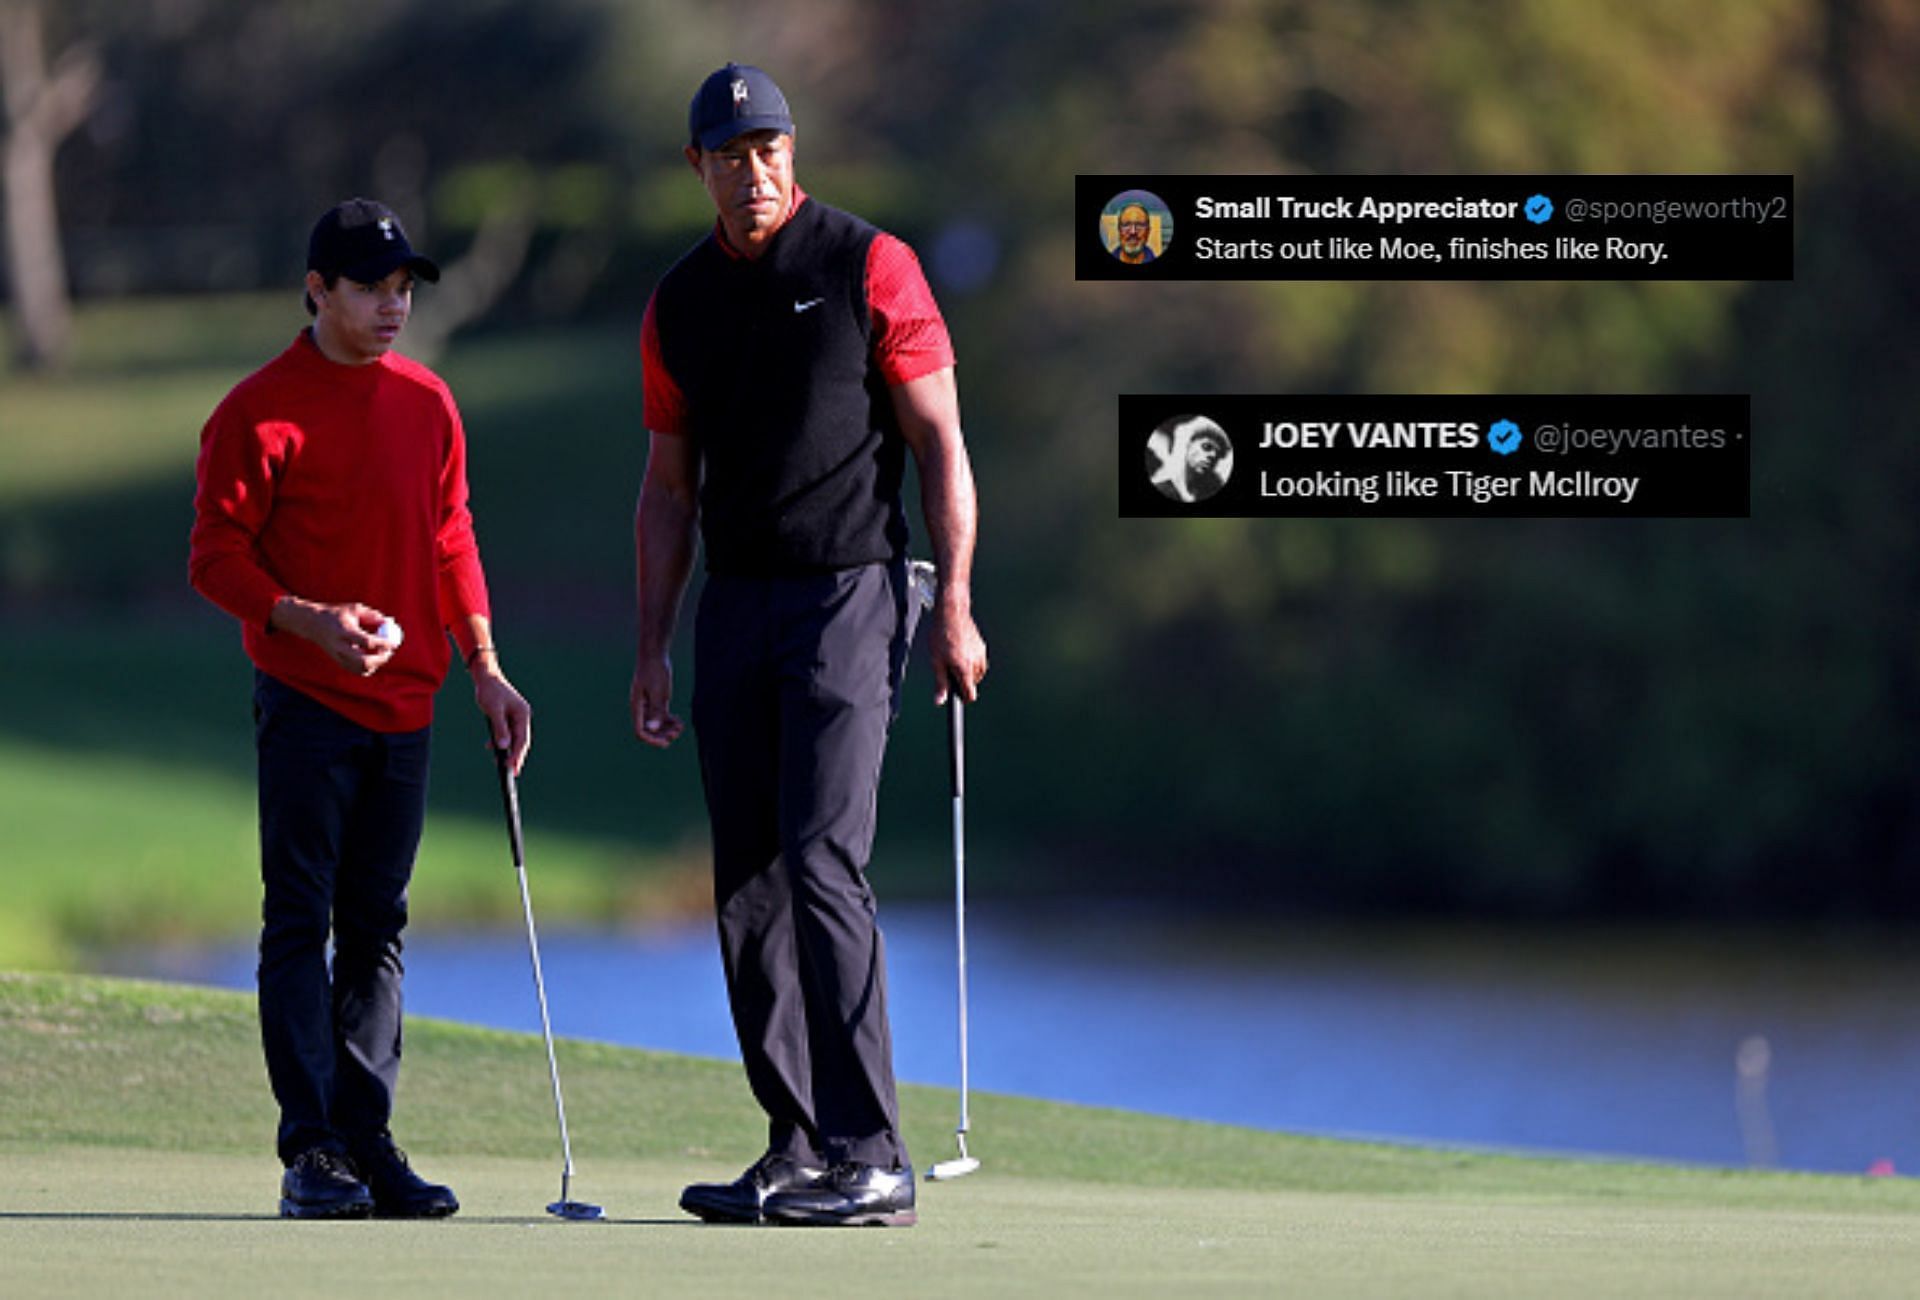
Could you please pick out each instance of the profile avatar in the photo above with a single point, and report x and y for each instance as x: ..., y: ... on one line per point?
x: 1189, y: 458
x: 1136, y: 227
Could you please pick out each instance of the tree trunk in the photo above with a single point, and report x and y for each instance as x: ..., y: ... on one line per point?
x: 475, y: 282
x: 42, y: 109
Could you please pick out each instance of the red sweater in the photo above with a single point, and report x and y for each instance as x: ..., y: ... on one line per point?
x: 341, y: 483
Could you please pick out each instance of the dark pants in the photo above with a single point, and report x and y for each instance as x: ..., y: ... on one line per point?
x: 341, y: 809
x: 795, y: 685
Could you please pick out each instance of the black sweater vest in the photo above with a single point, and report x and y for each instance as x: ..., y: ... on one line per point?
x: 801, y: 455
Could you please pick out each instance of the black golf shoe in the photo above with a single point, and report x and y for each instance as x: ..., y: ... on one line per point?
x: 320, y: 1184
x: 852, y: 1195
x: 740, y: 1201
x: 398, y: 1192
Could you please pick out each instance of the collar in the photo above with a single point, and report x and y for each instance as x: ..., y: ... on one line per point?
x: 309, y: 354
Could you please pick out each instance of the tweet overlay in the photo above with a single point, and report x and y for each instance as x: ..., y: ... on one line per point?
x: 1433, y: 227
x: 1583, y: 457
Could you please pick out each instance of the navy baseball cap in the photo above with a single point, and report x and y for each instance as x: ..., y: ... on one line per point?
x: 364, y: 241
x: 736, y: 99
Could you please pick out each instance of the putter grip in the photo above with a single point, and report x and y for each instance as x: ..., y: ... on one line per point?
x: 956, y: 746
x: 510, y: 800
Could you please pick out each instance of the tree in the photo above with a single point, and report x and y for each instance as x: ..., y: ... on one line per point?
x: 44, y: 105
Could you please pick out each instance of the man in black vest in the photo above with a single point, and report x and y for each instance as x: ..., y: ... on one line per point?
x: 792, y: 359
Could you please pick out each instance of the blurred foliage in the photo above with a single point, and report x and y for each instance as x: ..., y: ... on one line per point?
x: 1526, y: 716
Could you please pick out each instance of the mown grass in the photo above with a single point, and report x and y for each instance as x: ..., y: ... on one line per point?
x: 92, y: 1061
x: 107, y: 851
x: 143, y: 377
x: 127, y: 1063
x: 136, y: 1136
x: 127, y: 791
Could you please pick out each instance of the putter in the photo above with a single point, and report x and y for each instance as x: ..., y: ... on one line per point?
x: 963, y: 1164
x: 566, y: 1207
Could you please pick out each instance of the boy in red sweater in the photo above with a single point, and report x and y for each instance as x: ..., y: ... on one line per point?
x: 331, y: 519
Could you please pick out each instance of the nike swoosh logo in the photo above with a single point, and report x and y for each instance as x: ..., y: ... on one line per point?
x: 799, y: 307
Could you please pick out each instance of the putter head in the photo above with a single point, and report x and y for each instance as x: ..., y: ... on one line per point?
x: 947, y: 1170
x: 576, y: 1210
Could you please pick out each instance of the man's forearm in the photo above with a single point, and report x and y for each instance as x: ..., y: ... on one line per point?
x: 952, y: 513
x: 473, y: 633
x: 663, y: 539
x: 298, y: 617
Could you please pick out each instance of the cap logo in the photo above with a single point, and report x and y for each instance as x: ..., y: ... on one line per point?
x: 739, y: 91
x: 386, y: 227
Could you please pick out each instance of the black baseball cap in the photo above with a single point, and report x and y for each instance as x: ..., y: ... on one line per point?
x: 364, y: 241
x: 734, y: 100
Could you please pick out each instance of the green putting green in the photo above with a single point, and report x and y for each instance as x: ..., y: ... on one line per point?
x: 135, y: 1134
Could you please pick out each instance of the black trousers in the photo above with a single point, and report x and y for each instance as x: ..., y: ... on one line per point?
x: 796, y: 682
x: 341, y: 809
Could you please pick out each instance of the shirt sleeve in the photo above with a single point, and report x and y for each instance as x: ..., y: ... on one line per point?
x: 663, y: 406
x: 909, y: 335
x: 233, y: 497
x: 462, y: 580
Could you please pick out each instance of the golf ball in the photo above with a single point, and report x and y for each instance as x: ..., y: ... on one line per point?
x: 390, y: 632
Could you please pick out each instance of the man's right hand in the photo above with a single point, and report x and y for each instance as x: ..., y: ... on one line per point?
x: 651, y: 694
x: 348, y: 633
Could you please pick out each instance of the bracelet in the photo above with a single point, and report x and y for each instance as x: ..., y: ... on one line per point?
x: 478, y: 651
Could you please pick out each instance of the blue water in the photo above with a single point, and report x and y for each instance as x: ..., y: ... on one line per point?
x: 1485, y: 1043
